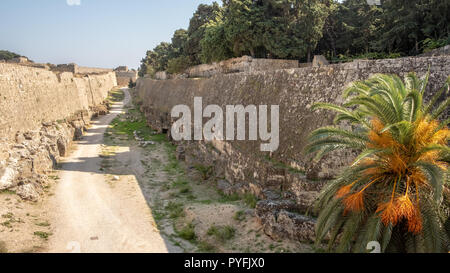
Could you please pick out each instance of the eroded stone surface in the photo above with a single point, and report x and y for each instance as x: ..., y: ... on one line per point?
x: 279, y: 220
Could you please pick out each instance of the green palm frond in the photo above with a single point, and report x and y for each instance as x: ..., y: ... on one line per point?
x: 415, y: 105
x: 435, y: 177
x: 352, y: 116
x: 440, y: 109
x: 435, y: 98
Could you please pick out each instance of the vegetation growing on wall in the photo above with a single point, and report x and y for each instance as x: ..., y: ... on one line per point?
x: 397, y: 190
x: 294, y: 29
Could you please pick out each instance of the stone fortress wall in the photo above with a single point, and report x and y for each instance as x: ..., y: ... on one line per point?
x: 74, y: 68
x: 41, y: 113
x: 244, y: 64
x: 286, y: 179
x: 30, y: 96
x: 124, y: 75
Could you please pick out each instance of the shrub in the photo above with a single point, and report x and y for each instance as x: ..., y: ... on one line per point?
x: 206, y: 171
x: 239, y: 216
x: 430, y: 44
x: 178, y: 65
x: 131, y: 84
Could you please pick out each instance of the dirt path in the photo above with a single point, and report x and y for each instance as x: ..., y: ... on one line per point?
x: 123, y: 190
x: 91, y: 216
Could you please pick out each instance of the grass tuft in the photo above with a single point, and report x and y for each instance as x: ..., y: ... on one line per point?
x: 175, y: 210
x: 43, y: 235
x: 206, y: 247
x: 188, y: 233
x: 250, y: 200
x: 239, y: 216
x: 222, y: 233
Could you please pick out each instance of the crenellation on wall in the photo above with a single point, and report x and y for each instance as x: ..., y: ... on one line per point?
x: 76, y: 69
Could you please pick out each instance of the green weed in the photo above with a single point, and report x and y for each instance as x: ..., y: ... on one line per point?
x: 222, y: 233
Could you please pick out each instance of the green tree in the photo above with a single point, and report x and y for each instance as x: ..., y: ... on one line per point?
x: 179, y: 41
x: 156, y: 59
x: 406, y: 24
x: 393, y: 192
x: 275, y: 37
x: 436, y: 15
x: 214, y: 45
x: 309, y: 21
x: 178, y: 64
x: 147, y: 64
x: 163, y: 53
x: 7, y: 55
x: 351, y: 28
x: 242, y: 18
x: 196, y: 31
x: 401, y: 31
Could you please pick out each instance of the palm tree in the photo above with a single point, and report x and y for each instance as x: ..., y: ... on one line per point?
x: 396, y: 192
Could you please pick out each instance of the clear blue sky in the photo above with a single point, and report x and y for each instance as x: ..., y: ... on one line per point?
x: 97, y: 33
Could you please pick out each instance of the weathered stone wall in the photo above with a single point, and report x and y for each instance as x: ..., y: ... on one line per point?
x: 243, y: 64
x: 74, y: 68
x: 279, y: 175
x: 161, y: 75
x: 30, y: 96
x: 41, y: 112
x: 124, y: 77
x: 295, y: 90
x: 92, y: 70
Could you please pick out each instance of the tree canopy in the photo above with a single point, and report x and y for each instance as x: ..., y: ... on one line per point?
x: 298, y: 29
x: 8, y: 55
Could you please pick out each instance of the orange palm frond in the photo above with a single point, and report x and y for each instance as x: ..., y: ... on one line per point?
x: 424, y: 129
x: 377, y: 125
x: 418, y: 177
x: 405, y: 207
x: 440, y: 137
x: 343, y: 191
x: 389, y: 213
x: 378, y: 139
x: 415, y: 223
x: 374, y: 171
x: 430, y: 156
x: 354, y: 202
x: 396, y: 163
x: 425, y: 133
